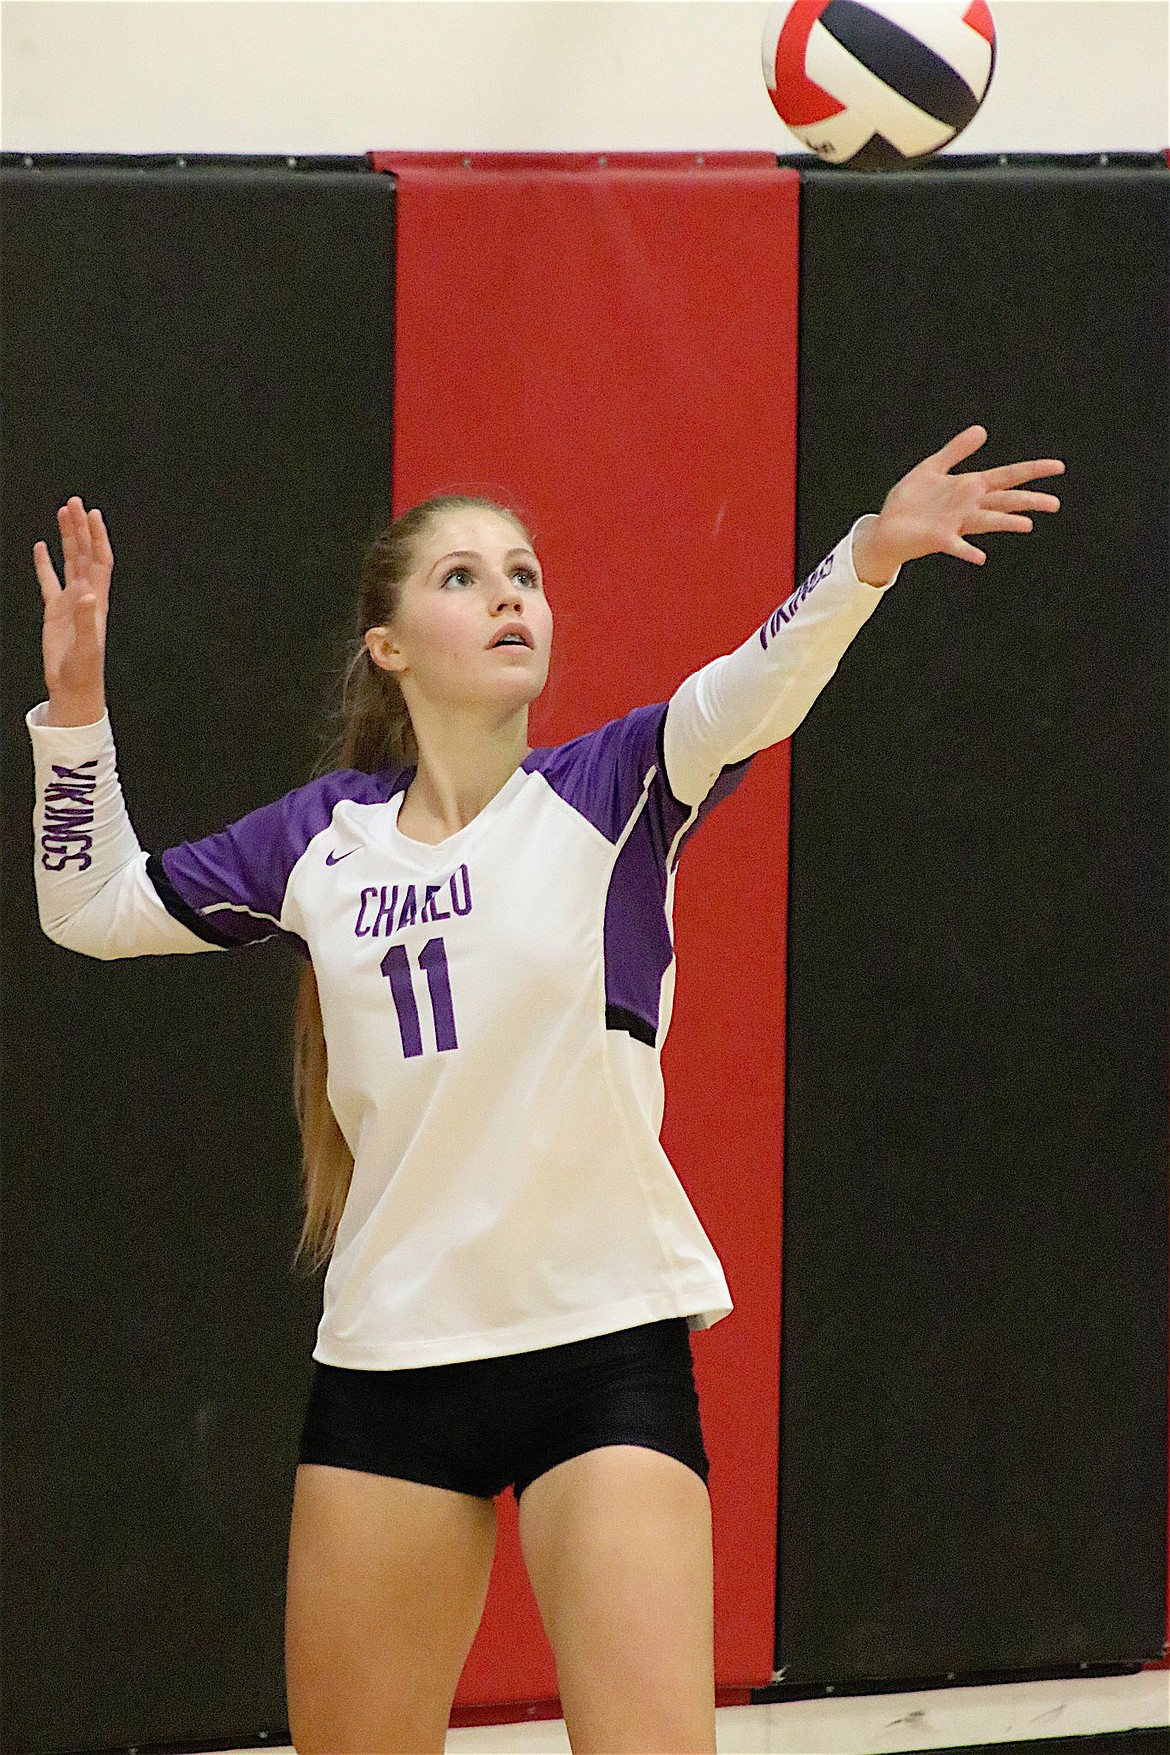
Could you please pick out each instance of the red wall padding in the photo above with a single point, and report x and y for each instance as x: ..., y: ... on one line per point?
x: 610, y: 346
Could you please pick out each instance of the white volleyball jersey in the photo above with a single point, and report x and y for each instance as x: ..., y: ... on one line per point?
x: 494, y: 1006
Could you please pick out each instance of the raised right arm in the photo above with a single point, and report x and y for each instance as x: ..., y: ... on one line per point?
x: 93, y: 892
x: 98, y: 891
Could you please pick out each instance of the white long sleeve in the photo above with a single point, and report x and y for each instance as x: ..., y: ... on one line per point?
x: 758, y: 694
x: 93, y: 894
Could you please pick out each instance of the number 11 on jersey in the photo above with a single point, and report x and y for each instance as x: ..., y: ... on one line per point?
x: 433, y: 960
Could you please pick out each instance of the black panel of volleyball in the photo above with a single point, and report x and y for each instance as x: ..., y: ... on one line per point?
x: 974, y: 1379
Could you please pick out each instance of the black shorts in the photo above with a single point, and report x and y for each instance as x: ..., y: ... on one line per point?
x: 480, y: 1425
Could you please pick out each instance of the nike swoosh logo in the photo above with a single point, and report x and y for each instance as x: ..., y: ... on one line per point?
x: 330, y: 860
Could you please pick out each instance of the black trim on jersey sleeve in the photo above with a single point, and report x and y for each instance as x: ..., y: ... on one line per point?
x: 184, y: 913
x: 660, y: 746
x: 618, y: 1018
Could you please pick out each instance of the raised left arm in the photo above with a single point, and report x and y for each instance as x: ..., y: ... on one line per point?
x: 758, y: 694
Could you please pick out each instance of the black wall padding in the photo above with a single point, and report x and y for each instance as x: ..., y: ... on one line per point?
x: 974, y: 1374
x: 206, y: 354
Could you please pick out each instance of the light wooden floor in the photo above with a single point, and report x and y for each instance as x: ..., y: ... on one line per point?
x: 1017, y: 1712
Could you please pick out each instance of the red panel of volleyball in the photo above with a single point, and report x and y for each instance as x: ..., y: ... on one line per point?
x: 574, y: 336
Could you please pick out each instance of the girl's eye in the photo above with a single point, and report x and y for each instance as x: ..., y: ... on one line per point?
x: 462, y: 572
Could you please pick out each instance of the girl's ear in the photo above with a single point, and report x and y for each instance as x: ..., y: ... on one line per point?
x: 383, y: 652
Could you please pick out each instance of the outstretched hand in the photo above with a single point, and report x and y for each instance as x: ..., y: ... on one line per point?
x: 930, y: 510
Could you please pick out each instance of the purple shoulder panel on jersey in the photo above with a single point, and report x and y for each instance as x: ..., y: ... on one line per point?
x: 229, y: 887
x: 602, y: 772
x: 604, y: 775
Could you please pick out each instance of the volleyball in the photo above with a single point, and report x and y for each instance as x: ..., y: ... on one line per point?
x: 875, y: 83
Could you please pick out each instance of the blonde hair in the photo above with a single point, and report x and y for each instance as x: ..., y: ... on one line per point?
x: 375, y: 732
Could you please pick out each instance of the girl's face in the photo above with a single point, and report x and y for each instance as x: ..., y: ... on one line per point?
x: 474, y: 574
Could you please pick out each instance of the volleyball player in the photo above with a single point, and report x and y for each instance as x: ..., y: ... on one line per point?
x: 514, y: 1266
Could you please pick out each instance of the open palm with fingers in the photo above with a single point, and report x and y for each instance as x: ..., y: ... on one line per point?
x: 931, y: 511
x: 73, y: 637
